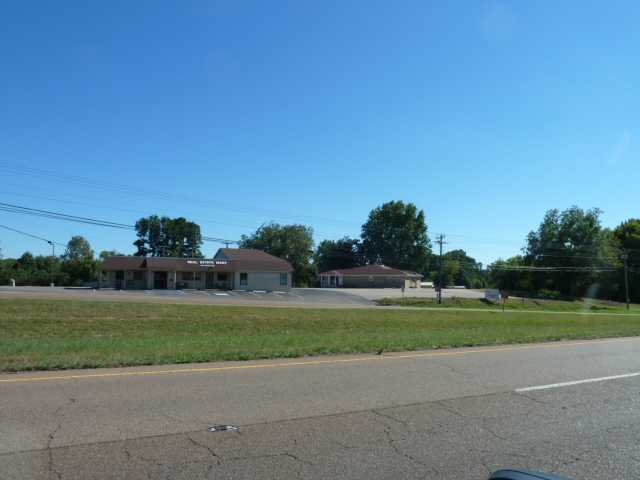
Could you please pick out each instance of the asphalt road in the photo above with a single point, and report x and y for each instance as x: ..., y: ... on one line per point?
x: 446, y: 414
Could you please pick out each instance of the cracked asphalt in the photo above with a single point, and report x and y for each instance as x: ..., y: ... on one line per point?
x: 450, y: 414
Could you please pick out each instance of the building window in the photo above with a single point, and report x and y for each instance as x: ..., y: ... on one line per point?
x: 187, y: 276
x: 222, y: 277
x: 138, y: 275
x: 283, y: 279
x: 196, y: 276
x: 244, y: 279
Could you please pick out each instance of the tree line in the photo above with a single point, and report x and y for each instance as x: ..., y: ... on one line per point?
x: 570, y: 254
x: 77, y: 266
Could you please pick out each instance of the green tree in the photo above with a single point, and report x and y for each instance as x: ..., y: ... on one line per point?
x: 78, y: 263
x: 627, y: 236
x: 167, y: 237
x: 396, y: 234
x: 109, y: 253
x: 576, y: 246
x: 461, y: 269
x: 336, y: 254
x: 505, y: 275
x: 78, y: 248
x: 294, y: 243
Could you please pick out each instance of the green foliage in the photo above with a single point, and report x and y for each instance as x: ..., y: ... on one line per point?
x: 32, y: 270
x: 336, y: 254
x: 577, y: 247
x: 76, y: 267
x: 627, y: 234
x: 109, y: 253
x: 78, y: 248
x: 294, y: 243
x: 396, y: 234
x: 459, y: 269
x: 78, y: 263
x: 167, y: 237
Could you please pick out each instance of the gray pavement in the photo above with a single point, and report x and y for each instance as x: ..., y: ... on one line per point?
x: 447, y: 414
x: 378, y: 293
x: 297, y: 297
x: 304, y: 297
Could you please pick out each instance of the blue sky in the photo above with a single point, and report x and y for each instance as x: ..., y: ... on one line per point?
x: 485, y: 114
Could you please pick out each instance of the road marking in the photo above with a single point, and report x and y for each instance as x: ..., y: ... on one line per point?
x: 576, y: 382
x: 305, y: 363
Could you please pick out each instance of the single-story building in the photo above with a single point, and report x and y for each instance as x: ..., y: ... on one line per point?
x: 370, y: 276
x: 229, y: 269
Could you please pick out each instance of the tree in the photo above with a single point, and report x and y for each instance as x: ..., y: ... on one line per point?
x: 396, y: 234
x: 504, y: 275
x: 78, y: 248
x: 78, y: 262
x: 294, y: 243
x: 336, y: 254
x: 576, y: 246
x: 167, y: 237
x: 461, y: 269
x: 104, y: 254
x: 33, y: 270
x: 627, y: 236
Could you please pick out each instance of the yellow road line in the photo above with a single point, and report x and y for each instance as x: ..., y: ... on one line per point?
x: 305, y: 363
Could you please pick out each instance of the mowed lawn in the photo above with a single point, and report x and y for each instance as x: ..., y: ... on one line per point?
x: 57, y: 334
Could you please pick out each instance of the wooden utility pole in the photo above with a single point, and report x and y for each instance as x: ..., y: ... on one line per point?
x: 440, y: 241
x: 625, y: 258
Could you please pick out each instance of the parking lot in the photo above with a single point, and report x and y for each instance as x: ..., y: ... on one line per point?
x: 294, y: 297
x: 310, y: 297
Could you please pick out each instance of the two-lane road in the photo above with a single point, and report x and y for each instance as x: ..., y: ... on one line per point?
x: 447, y: 414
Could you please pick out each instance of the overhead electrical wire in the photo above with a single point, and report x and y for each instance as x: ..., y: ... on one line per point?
x: 12, y: 208
x: 32, y: 235
x: 139, y: 191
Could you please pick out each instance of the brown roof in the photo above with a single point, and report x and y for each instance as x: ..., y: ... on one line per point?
x: 234, y: 259
x: 373, y: 270
x: 121, y: 262
x: 252, y: 259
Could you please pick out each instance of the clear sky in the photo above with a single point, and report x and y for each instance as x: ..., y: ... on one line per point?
x: 483, y: 113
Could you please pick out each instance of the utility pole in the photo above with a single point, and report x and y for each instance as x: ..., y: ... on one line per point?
x: 53, y: 258
x: 440, y: 241
x: 625, y: 258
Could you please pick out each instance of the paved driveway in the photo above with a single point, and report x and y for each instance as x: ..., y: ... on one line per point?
x: 294, y: 297
x: 378, y: 293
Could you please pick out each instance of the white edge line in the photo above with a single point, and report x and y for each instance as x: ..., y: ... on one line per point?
x: 576, y: 382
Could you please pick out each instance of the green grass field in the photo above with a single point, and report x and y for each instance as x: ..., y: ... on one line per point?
x: 529, y: 304
x: 57, y: 334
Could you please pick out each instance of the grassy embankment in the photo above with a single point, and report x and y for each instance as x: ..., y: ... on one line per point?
x: 515, y: 304
x: 56, y: 334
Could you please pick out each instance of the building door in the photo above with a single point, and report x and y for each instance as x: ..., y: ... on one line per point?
x: 119, y: 279
x: 160, y: 280
x: 210, y: 280
x: 223, y: 281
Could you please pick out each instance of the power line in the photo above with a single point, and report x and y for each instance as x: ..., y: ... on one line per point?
x: 32, y: 235
x: 12, y: 208
x: 141, y: 212
x: 138, y: 191
x: 551, y: 269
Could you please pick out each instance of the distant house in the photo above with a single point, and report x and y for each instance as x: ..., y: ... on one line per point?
x: 370, y: 276
x: 229, y: 269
